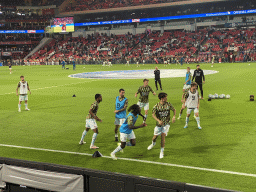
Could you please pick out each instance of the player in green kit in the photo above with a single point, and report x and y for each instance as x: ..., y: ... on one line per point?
x: 161, y: 113
x: 91, y: 123
x: 126, y: 130
x: 144, y: 92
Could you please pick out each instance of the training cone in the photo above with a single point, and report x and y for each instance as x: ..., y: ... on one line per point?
x: 97, y: 154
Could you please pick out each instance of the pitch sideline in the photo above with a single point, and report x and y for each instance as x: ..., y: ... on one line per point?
x: 136, y: 160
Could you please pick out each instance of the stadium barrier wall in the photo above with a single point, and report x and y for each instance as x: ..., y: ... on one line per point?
x: 94, y: 180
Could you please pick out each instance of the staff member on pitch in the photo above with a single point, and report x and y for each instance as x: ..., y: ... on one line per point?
x: 157, y: 78
x: 198, y: 75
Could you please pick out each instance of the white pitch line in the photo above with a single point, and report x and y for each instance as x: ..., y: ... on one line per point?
x: 51, y: 87
x: 136, y: 160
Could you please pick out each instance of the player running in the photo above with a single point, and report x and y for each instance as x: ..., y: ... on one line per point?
x: 161, y: 113
x: 121, y: 105
x: 23, y: 96
x: 144, y: 92
x: 10, y: 67
x: 91, y: 123
x: 126, y: 130
x: 198, y: 75
x: 192, y: 102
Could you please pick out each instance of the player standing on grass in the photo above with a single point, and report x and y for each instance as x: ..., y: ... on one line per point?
x: 198, y: 75
x: 161, y: 113
x: 63, y: 64
x: 10, y: 67
x: 157, y: 78
x: 91, y: 123
x: 23, y: 96
x: 144, y: 92
x: 213, y: 58
x: 187, y: 83
x: 192, y: 102
x: 121, y: 105
x: 126, y: 130
x: 74, y: 65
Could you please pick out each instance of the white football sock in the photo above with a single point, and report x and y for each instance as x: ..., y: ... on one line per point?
x: 198, y: 121
x: 94, y: 138
x: 83, y: 135
x: 119, y: 148
x: 187, y: 120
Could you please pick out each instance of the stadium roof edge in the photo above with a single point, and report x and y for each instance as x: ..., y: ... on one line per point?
x: 63, y: 14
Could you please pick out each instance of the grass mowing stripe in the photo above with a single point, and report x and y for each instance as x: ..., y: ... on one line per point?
x: 136, y: 160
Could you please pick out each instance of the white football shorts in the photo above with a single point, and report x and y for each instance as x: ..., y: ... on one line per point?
x: 91, y: 123
x: 145, y: 105
x: 196, y: 110
x: 127, y: 137
x: 23, y: 97
x: 186, y: 86
x: 162, y: 129
x: 119, y: 121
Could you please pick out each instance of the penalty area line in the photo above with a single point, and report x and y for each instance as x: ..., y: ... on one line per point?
x: 136, y: 160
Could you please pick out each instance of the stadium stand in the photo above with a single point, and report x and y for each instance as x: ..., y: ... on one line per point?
x: 197, y: 46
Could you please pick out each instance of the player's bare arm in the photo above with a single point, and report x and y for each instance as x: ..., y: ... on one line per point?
x: 183, y: 98
x: 136, y: 127
x: 174, y: 114
x: 29, y: 90
x: 198, y: 102
x: 94, y: 116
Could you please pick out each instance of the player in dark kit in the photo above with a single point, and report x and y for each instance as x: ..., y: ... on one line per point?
x: 198, y: 75
x: 10, y: 67
x: 157, y: 78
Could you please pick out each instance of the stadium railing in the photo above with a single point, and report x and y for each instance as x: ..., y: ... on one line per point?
x: 97, y: 181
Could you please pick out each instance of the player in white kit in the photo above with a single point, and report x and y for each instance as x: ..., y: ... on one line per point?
x: 23, y: 96
x: 192, y: 102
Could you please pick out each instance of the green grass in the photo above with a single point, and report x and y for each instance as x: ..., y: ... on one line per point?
x: 56, y: 121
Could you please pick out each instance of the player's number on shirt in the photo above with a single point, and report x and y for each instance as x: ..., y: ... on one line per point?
x: 24, y: 86
x: 118, y: 105
x: 193, y: 97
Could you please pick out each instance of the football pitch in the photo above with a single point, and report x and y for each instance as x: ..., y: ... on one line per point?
x: 220, y: 155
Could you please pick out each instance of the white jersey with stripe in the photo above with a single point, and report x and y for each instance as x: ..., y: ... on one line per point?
x: 192, y: 100
x: 23, y: 88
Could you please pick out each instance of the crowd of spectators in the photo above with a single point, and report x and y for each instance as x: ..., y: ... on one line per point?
x: 20, y: 37
x: 154, y: 47
x: 18, y: 45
